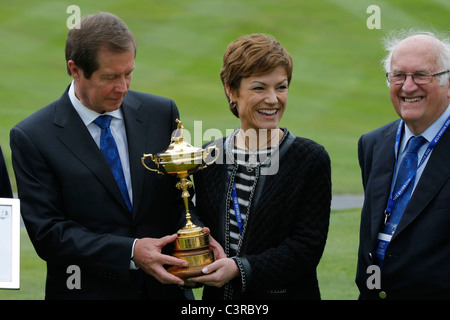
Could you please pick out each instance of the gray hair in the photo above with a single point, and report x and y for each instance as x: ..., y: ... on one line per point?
x: 393, y: 39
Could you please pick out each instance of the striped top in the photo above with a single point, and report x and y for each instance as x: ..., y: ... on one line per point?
x: 245, y: 180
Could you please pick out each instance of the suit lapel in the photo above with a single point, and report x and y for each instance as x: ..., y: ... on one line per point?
x: 135, y: 129
x: 382, y: 172
x: 75, y: 136
x: 436, y: 173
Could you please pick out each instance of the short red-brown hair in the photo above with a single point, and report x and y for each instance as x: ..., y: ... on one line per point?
x: 253, y: 54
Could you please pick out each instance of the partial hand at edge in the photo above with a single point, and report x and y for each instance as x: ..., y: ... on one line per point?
x: 148, y: 257
x: 219, y: 253
x: 218, y: 273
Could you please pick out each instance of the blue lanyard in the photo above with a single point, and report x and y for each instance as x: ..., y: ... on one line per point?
x: 394, y: 197
x: 237, y: 209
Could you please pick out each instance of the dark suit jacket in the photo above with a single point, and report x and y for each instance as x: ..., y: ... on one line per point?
x: 71, y: 204
x: 287, y: 224
x: 417, y: 262
x: 5, y: 184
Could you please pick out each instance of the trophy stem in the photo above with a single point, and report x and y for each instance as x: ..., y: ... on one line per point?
x: 184, y: 184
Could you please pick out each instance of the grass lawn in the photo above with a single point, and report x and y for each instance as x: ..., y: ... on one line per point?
x: 337, y: 268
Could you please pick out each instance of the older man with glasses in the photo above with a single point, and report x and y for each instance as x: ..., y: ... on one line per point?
x: 404, y: 250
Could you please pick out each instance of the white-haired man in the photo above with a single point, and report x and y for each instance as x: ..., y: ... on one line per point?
x: 404, y: 238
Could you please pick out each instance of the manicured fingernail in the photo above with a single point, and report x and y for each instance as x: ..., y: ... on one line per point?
x: 205, y: 270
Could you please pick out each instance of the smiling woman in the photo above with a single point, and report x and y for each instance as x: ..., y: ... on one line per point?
x: 261, y: 100
x: 256, y: 75
x: 268, y: 201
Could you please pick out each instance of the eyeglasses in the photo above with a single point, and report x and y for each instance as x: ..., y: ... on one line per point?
x: 418, y: 78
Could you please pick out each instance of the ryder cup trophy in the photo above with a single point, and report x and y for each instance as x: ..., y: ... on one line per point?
x: 182, y: 159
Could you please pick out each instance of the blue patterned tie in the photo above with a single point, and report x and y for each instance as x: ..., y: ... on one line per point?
x: 406, y: 171
x: 109, y: 149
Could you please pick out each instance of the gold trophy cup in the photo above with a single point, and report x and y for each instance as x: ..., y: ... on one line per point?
x: 182, y: 159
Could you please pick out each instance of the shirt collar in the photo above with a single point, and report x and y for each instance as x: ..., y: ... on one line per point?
x: 87, y: 115
x: 430, y: 132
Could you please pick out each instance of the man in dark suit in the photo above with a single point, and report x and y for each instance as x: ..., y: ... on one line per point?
x: 5, y: 184
x: 76, y: 216
x: 411, y: 260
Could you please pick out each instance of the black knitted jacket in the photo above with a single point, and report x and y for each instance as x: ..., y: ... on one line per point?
x: 286, y: 230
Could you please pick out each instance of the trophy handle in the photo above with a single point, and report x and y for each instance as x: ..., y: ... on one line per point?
x: 209, y: 152
x: 149, y: 155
